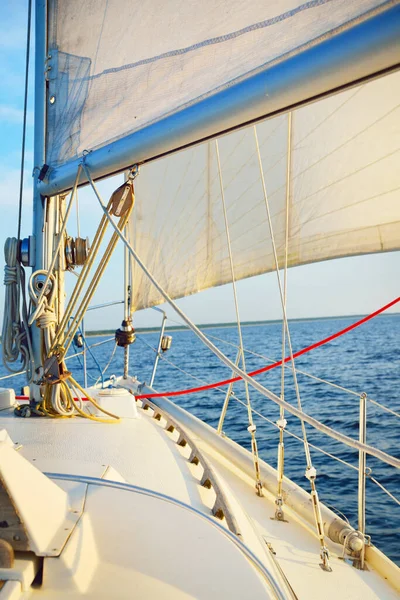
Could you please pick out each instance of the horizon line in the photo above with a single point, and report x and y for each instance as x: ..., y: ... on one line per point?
x: 227, y: 324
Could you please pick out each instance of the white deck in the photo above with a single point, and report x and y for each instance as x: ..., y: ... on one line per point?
x: 143, y: 453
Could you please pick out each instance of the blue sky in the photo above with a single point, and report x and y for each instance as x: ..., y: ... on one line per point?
x: 347, y: 286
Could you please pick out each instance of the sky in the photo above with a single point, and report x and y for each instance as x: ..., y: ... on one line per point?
x: 348, y: 286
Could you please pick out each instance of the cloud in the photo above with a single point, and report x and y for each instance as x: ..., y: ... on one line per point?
x: 14, y: 115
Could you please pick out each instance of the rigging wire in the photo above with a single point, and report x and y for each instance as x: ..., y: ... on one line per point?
x: 282, y: 421
x: 273, y: 423
x: 103, y: 372
x: 347, y: 440
x: 270, y: 422
x: 273, y: 361
x: 16, y: 340
x: 297, y: 354
x: 251, y: 428
x: 289, y: 341
x: 21, y: 181
x: 79, y: 354
x: 298, y: 371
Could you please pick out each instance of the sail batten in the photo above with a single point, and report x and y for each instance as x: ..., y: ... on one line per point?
x: 344, y: 195
x: 175, y: 93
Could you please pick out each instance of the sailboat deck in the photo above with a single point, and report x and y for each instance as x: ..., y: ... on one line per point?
x: 144, y: 453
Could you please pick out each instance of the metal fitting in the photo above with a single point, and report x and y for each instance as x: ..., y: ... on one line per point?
x: 38, y: 283
x: 76, y: 251
x: 26, y: 251
x: 166, y: 342
x: 125, y: 335
x: 311, y: 473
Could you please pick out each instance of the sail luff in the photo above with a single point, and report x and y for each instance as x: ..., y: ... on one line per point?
x: 365, y: 50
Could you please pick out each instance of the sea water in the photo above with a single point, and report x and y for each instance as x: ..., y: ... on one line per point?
x: 364, y: 360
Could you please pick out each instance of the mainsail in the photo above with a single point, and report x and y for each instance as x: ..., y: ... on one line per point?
x: 337, y: 160
x: 137, y: 80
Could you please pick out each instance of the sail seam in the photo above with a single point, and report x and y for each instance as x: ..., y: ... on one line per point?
x: 216, y: 40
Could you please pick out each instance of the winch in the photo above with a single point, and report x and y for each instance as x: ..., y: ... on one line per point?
x: 76, y: 251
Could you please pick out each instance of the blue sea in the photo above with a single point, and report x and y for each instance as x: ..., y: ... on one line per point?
x: 364, y: 360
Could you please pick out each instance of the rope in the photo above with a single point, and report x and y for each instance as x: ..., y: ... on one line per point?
x: 306, y: 374
x: 67, y: 358
x: 251, y: 428
x: 298, y: 371
x: 58, y: 401
x: 270, y: 422
x: 256, y: 412
x: 241, y: 374
x: 16, y: 341
x: 296, y: 385
x: 279, y: 362
x: 40, y: 299
x: 310, y: 470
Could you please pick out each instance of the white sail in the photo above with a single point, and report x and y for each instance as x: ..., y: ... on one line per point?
x: 344, y: 196
x: 119, y: 66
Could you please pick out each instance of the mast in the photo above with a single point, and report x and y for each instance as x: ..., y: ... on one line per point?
x: 39, y: 202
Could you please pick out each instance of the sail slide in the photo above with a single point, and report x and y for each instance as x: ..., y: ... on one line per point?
x: 336, y: 159
x: 127, y: 96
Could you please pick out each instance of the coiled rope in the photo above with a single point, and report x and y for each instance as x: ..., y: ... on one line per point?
x: 16, y: 342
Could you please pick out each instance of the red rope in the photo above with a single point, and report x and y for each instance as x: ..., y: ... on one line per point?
x: 326, y: 340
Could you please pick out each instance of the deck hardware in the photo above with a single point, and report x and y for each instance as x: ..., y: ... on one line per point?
x: 193, y: 458
x: 219, y: 513
x: 205, y: 482
x: 270, y: 548
x: 209, y: 478
x: 279, y: 514
x: 166, y: 342
x: 76, y: 251
x: 161, y: 340
x: 125, y: 335
x: 26, y: 251
x: 362, y: 466
x: 122, y: 199
x: 182, y: 441
x: 43, y: 172
x: 78, y: 340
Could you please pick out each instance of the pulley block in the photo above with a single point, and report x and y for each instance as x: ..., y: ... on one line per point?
x: 125, y: 335
x: 76, y: 251
x: 122, y: 199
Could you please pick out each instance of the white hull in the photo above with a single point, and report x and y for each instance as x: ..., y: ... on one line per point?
x: 160, y: 538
